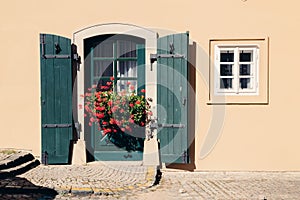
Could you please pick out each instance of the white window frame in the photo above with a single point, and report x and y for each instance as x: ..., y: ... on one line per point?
x: 254, y: 75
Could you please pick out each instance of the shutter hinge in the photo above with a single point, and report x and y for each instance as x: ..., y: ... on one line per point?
x: 78, y: 129
x: 57, y: 125
x: 76, y: 59
x: 154, y: 57
x: 158, y: 125
x: 56, y: 48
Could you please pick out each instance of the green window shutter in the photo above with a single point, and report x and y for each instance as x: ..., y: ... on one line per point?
x: 172, y: 97
x: 56, y: 97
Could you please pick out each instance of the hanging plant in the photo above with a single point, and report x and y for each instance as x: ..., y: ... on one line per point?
x: 121, y: 116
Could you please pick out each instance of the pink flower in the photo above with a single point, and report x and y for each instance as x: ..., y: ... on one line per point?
x: 114, y: 108
x: 143, y: 90
x: 132, y: 87
x: 131, y: 105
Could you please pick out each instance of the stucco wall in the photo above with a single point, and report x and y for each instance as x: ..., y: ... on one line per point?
x: 253, y: 137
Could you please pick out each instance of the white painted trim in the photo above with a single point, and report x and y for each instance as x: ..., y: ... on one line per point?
x: 117, y: 28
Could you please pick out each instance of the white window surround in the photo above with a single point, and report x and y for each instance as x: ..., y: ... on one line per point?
x: 116, y: 28
x: 236, y: 82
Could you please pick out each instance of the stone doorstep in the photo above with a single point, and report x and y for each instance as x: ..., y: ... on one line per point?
x: 19, y: 169
x: 15, y: 159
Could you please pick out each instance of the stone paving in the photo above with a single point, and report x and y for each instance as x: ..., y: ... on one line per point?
x: 227, y: 185
x: 131, y: 180
x: 99, y: 178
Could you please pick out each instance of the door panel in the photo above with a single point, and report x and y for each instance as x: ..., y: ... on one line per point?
x: 123, y: 57
x: 172, y: 97
x: 56, y: 97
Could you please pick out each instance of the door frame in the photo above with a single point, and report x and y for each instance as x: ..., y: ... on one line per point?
x: 117, y: 28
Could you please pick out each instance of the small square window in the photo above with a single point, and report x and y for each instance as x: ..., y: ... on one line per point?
x: 236, y: 70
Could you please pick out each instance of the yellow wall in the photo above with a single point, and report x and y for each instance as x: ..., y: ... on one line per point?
x: 254, y: 137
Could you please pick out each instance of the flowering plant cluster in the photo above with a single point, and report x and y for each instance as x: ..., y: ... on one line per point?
x: 114, y: 112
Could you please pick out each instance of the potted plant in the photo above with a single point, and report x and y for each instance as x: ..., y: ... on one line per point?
x: 120, y: 116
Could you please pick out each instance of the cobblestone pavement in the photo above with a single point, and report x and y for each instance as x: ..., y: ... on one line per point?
x: 226, y: 185
x: 130, y: 180
x: 215, y: 185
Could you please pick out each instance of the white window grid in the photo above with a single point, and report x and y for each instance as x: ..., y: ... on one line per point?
x: 236, y: 90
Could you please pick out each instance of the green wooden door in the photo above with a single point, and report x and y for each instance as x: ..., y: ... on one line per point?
x: 56, y: 97
x: 172, y: 97
x: 121, y: 57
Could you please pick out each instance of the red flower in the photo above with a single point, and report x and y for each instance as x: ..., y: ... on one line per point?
x: 112, y: 78
x: 138, y: 102
x: 128, y: 83
x: 142, y: 124
x: 100, y: 108
x: 131, y: 105
x: 143, y: 90
x: 109, y: 83
x: 104, y: 123
x: 112, y: 121
x: 131, y: 120
x: 100, y: 115
x: 109, y: 103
